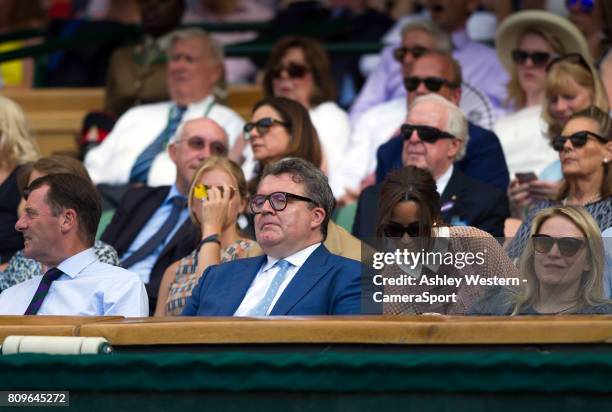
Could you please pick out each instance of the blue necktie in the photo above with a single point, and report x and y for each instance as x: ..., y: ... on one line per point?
x: 178, y: 204
x: 41, y: 292
x: 142, y: 165
x: 261, y: 309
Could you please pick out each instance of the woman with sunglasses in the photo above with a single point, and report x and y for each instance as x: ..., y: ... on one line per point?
x: 217, y: 197
x: 561, y: 268
x: 526, y: 42
x: 585, y: 153
x: 410, y: 218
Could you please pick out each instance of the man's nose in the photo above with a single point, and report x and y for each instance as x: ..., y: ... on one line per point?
x: 21, y: 225
x: 414, y: 137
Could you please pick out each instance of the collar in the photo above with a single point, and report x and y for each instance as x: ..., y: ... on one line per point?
x: 460, y: 39
x: 443, y: 180
x: 205, y: 102
x: 75, y: 264
x: 174, y: 192
x: 297, y: 259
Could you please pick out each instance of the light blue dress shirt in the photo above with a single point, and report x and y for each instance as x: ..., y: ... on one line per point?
x: 144, y: 267
x: 88, y: 287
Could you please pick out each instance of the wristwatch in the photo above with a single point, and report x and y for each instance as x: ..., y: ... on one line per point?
x: 212, y: 238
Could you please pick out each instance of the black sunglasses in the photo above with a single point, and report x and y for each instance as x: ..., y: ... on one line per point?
x: 278, y: 201
x: 394, y: 229
x: 416, y: 51
x: 427, y: 134
x: 433, y: 84
x: 568, y: 246
x: 578, y: 139
x: 586, y: 6
x: 575, y: 58
x: 294, y: 70
x: 538, y: 59
x: 262, y: 126
x: 199, y: 143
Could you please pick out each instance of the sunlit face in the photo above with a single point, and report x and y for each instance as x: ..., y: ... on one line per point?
x: 588, y: 159
x: 532, y: 78
x: 434, y: 65
x: 274, y: 144
x: 299, y: 89
x: 435, y: 157
x: 415, y: 38
x: 573, y: 99
x: 217, y: 177
x: 552, y: 269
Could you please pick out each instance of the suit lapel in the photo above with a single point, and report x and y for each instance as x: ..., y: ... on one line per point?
x: 452, y: 195
x: 237, y: 284
x: 313, y: 269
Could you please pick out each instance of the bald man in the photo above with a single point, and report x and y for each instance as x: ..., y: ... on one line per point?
x: 150, y: 228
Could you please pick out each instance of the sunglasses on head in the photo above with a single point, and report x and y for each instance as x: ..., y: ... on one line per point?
x: 575, y: 58
x: 427, y: 134
x: 586, y: 6
x: 568, y: 246
x: 200, y: 191
x: 578, y: 139
x: 199, y: 143
x: 433, y: 84
x: 394, y: 229
x: 294, y: 70
x: 416, y: 51
x: 278, y: 201
x: 538, y: 59
x: 262, y: 126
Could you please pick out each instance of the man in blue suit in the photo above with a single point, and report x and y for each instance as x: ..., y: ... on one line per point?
x: 297, y: 275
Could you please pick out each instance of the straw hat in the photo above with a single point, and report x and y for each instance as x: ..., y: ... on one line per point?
x: 507, y: 36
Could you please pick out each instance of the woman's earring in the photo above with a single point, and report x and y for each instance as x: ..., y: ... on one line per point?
x: 242, y: 221
x: 605, y: 161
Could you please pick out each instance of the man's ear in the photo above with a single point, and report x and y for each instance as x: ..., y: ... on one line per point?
x: 172, y: 149
x: 454, y: 147
x: 68, y: 220
x: 318, y: 215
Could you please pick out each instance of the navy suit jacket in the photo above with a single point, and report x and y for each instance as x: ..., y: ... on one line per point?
x: 464, y: 200
x: 326, y: 284
x: 484, y: 158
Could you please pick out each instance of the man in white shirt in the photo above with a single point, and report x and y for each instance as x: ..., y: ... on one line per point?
x: 59, y: 226
x: 297, y: 275
x: 134, y: 152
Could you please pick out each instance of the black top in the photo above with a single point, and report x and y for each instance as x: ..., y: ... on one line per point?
x: 10, y: 240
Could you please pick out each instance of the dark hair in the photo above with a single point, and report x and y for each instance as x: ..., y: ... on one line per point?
x: 316, y: 60
x: 304, y: 140
x: 410, y: 184
x: 604, y: 122
x: 314, y: 181
x: 52, y: 165
x: 68, y: 191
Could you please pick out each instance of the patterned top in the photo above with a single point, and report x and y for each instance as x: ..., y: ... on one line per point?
x: 186, y: 277
x: 20, y: 268
x: 600, y: 210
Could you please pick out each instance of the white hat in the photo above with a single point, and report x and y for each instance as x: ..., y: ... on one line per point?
x: 507, y: 36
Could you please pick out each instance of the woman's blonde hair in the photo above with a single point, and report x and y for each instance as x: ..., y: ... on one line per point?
x: 17, y: 146
x: 591, y: 285
x: 216, y: 162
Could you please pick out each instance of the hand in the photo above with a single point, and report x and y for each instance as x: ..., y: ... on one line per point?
x: 519, y: 197
x: 543, y: 190
x: 213, y: 212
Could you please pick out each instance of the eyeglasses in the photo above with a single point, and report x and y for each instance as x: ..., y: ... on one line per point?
x: 394, y: 229
x: 433, y: 84
x: 416, y: 51
x: 200, y: 191
x: 538, y: 59
x: 578, y: 139
x: 262, y: 126
x: 568, y: 246
x: 586, y: 6
x: 278, y: 201
x: 427, y: 134
x: 575, y: 58
x: 294, y: 70
x: 199, y: 143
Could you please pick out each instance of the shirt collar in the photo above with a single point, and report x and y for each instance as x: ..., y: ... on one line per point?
x: 204, y: 103
x: 297, y: 259
x: 76, y: 263
x: 442, y: 181
x: 172, y: 194
x: 460, y: 39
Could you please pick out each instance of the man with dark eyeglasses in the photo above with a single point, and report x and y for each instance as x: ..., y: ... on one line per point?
x: 434, y: 137
x: 150, y: 228
x: 297, y: 275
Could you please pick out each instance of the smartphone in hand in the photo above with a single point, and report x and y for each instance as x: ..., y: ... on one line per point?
x: 526, y: 177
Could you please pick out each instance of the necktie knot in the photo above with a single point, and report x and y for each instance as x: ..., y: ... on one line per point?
x: 283, y: 265
x: 178, y: 202
x: 53, y: 274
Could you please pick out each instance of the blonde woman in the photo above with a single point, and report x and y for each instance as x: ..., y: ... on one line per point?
x: 17, y: 147
x: 217, y: 197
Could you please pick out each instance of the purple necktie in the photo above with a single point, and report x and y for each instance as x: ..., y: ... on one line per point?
x: 43, y: 288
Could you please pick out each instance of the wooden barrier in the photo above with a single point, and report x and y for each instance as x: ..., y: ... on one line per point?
x: 56, y: 115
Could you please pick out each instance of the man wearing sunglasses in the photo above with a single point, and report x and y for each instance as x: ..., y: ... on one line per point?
x: 150, y: 228
x: 434, y: 137
x: 297, y: 275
